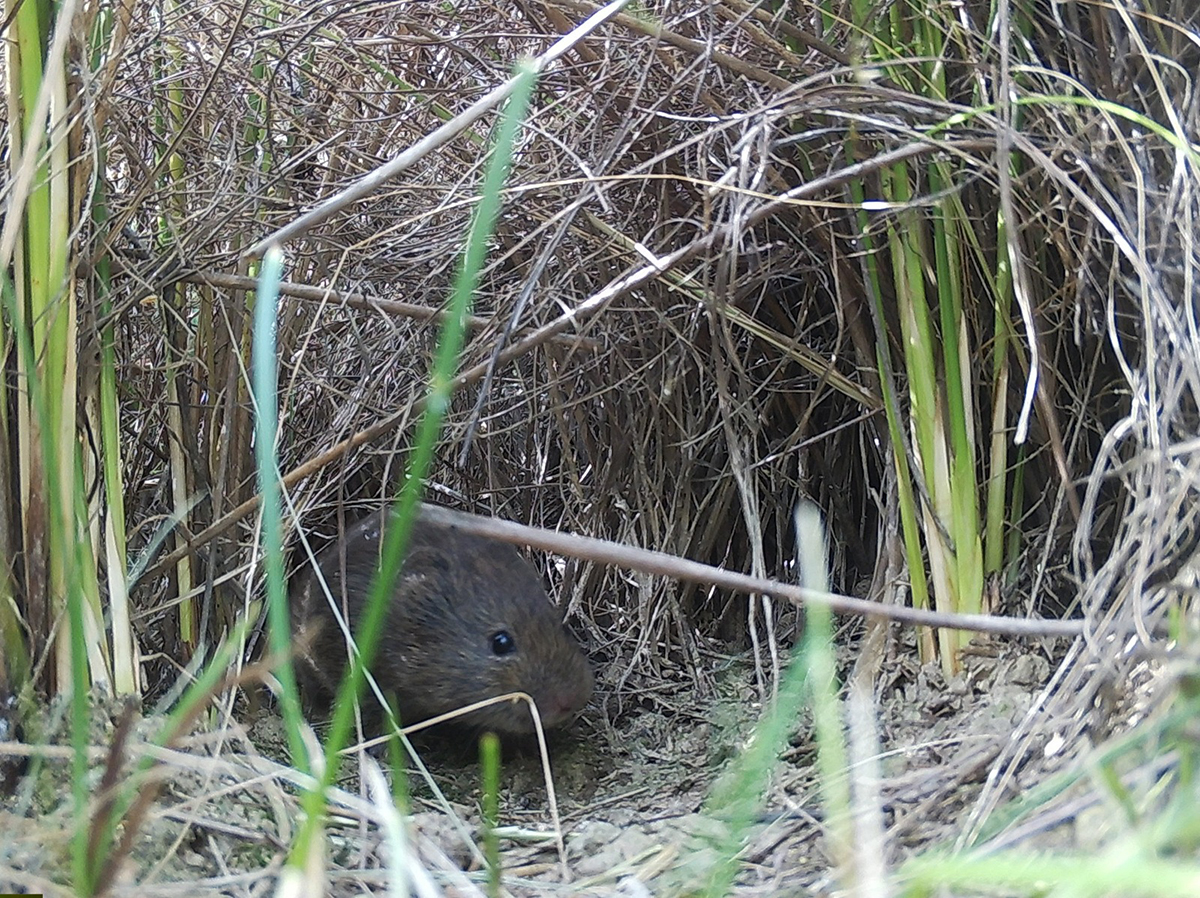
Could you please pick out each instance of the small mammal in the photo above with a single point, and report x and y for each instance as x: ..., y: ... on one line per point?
x: 468, y: 620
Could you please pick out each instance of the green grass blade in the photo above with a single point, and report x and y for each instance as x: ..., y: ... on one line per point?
x: 445, y: 363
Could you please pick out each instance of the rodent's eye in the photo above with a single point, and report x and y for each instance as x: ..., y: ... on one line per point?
x: 503, y: 643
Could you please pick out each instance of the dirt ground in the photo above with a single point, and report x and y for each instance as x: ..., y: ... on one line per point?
x: 631, y: 795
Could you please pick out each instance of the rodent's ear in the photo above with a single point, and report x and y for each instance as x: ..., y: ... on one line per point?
x: 426, y: 559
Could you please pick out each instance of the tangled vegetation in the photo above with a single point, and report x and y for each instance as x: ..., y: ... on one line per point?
x: 930, y: 268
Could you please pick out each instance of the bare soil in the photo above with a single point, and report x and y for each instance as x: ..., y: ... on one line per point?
x: 631, y: 794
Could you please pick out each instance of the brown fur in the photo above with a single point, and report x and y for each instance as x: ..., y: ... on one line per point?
x: 439, y: 648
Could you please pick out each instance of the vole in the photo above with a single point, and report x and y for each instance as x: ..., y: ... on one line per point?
x: 468, y: 619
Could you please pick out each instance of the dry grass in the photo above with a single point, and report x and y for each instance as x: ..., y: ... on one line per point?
x: 687, y: 417
x: 690, y: 409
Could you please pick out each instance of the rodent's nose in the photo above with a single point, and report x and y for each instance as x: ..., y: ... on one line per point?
x: 557, y: 711
x: 561, y: 704
x: 558, y: 706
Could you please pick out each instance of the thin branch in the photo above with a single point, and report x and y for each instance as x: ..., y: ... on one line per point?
x: 650, y: 562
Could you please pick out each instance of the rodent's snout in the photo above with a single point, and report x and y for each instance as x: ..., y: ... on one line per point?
x: 561, y: 707
x: 561, y: 701
x: 563, y: 695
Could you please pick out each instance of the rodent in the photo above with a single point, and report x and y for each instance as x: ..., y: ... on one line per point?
x: 468, y: 619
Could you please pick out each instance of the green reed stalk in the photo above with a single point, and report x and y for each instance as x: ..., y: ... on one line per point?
x: 126, y: 675
x: 264, y: 371
x: 928, y: 246
x: 169, y: 123
x: 489, y: 778
x: 736, y: 800
x: 60, y: 566
x: 438, y: 400
x: 823, y: 689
